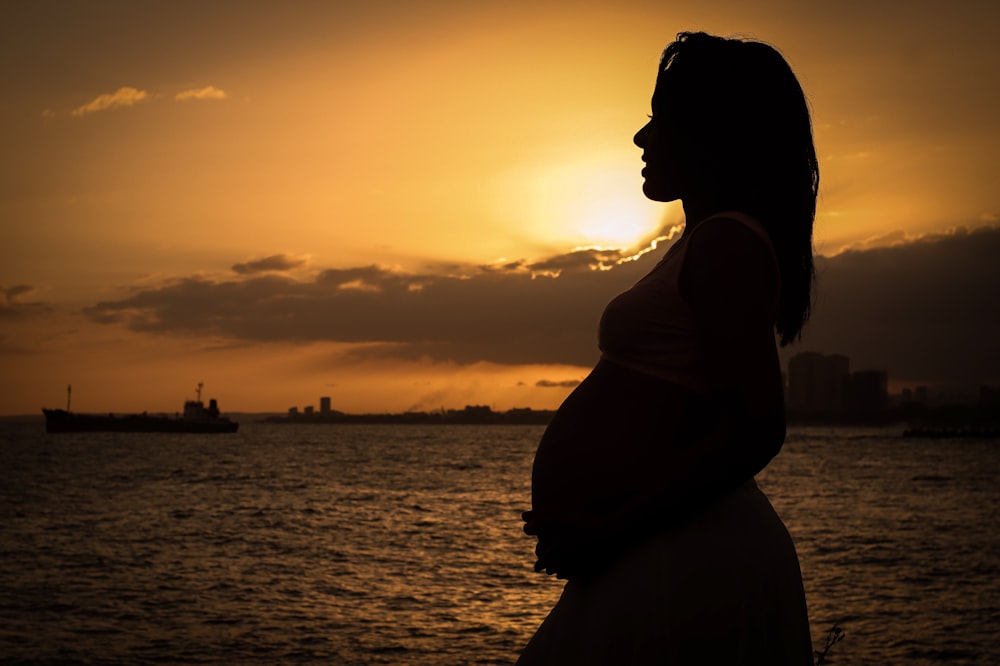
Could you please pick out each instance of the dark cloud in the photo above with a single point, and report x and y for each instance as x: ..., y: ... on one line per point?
x: 11, y: 294
x: 504, y: 314
x: 548, y: 383
x: 274, y: 263
x: 12, y: 306
x: 586, y: 259
x: 923, y: 310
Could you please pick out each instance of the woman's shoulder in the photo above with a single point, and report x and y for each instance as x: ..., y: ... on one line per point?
x: 730, y: 247
x: 729, y: 225
x: 731, y: 236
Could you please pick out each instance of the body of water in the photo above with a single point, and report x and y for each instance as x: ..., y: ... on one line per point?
x: 403, y: 545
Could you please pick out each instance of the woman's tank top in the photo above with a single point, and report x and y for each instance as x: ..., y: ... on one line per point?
x: 650, y: 328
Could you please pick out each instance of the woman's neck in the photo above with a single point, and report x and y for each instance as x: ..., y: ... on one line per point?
x: 697, y: 210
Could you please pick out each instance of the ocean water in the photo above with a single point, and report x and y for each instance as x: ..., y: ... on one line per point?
x: 403, y: 545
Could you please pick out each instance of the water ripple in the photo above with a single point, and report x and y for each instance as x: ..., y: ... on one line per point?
x: 370, y: 545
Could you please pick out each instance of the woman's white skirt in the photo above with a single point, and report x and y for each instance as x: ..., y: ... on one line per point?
x: 723, y: 588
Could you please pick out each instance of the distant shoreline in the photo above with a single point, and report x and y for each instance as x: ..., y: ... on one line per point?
x: 470, y: 415
x: 911, y: 414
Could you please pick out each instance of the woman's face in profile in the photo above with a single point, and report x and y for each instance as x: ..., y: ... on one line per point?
x: 663, y: 173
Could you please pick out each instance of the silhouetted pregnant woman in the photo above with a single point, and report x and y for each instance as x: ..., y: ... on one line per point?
x: 642, y: 487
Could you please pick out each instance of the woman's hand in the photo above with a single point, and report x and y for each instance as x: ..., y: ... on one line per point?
x: 566, y: 552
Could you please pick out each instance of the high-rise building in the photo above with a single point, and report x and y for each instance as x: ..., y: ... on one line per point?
x: 324, y: 405
x: 817, y: 383
x: 869, y: 392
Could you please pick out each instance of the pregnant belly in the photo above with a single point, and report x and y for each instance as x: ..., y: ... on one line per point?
x: 609, y: 441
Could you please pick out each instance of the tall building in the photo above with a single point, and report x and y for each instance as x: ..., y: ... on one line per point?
x: 818, y: 383
x: 869, y: 392
x: 324, y: 405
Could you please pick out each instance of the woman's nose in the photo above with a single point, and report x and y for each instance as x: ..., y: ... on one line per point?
x: 640, y: 137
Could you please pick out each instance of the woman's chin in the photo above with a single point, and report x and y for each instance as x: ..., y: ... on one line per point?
x: 655, y: 193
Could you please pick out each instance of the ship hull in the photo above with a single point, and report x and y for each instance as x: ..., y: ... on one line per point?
x: 60, y: 420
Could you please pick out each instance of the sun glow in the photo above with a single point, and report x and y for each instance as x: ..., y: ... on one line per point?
x: 598, y: 202
x: 614, y: 220
x: 608, y: 209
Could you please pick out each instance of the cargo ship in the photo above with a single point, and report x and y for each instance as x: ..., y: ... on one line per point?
x: 196, y: 418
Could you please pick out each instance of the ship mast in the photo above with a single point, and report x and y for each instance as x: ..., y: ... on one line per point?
x: 200, y: 384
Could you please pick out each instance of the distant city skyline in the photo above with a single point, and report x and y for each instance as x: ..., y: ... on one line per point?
x: 814, y: 384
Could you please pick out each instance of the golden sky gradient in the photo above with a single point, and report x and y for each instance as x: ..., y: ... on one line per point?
x: 161, y: 161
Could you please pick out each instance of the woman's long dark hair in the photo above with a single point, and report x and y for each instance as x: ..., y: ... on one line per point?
x: 744, y: 133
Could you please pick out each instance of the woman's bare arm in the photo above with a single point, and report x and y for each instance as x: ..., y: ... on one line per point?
x: 730, y: 280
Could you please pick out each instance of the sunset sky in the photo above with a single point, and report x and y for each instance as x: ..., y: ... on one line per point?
x: 408, y: 205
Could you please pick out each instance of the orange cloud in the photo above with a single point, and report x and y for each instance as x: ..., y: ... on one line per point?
x: 208, y: 92
x: 124, y: 96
